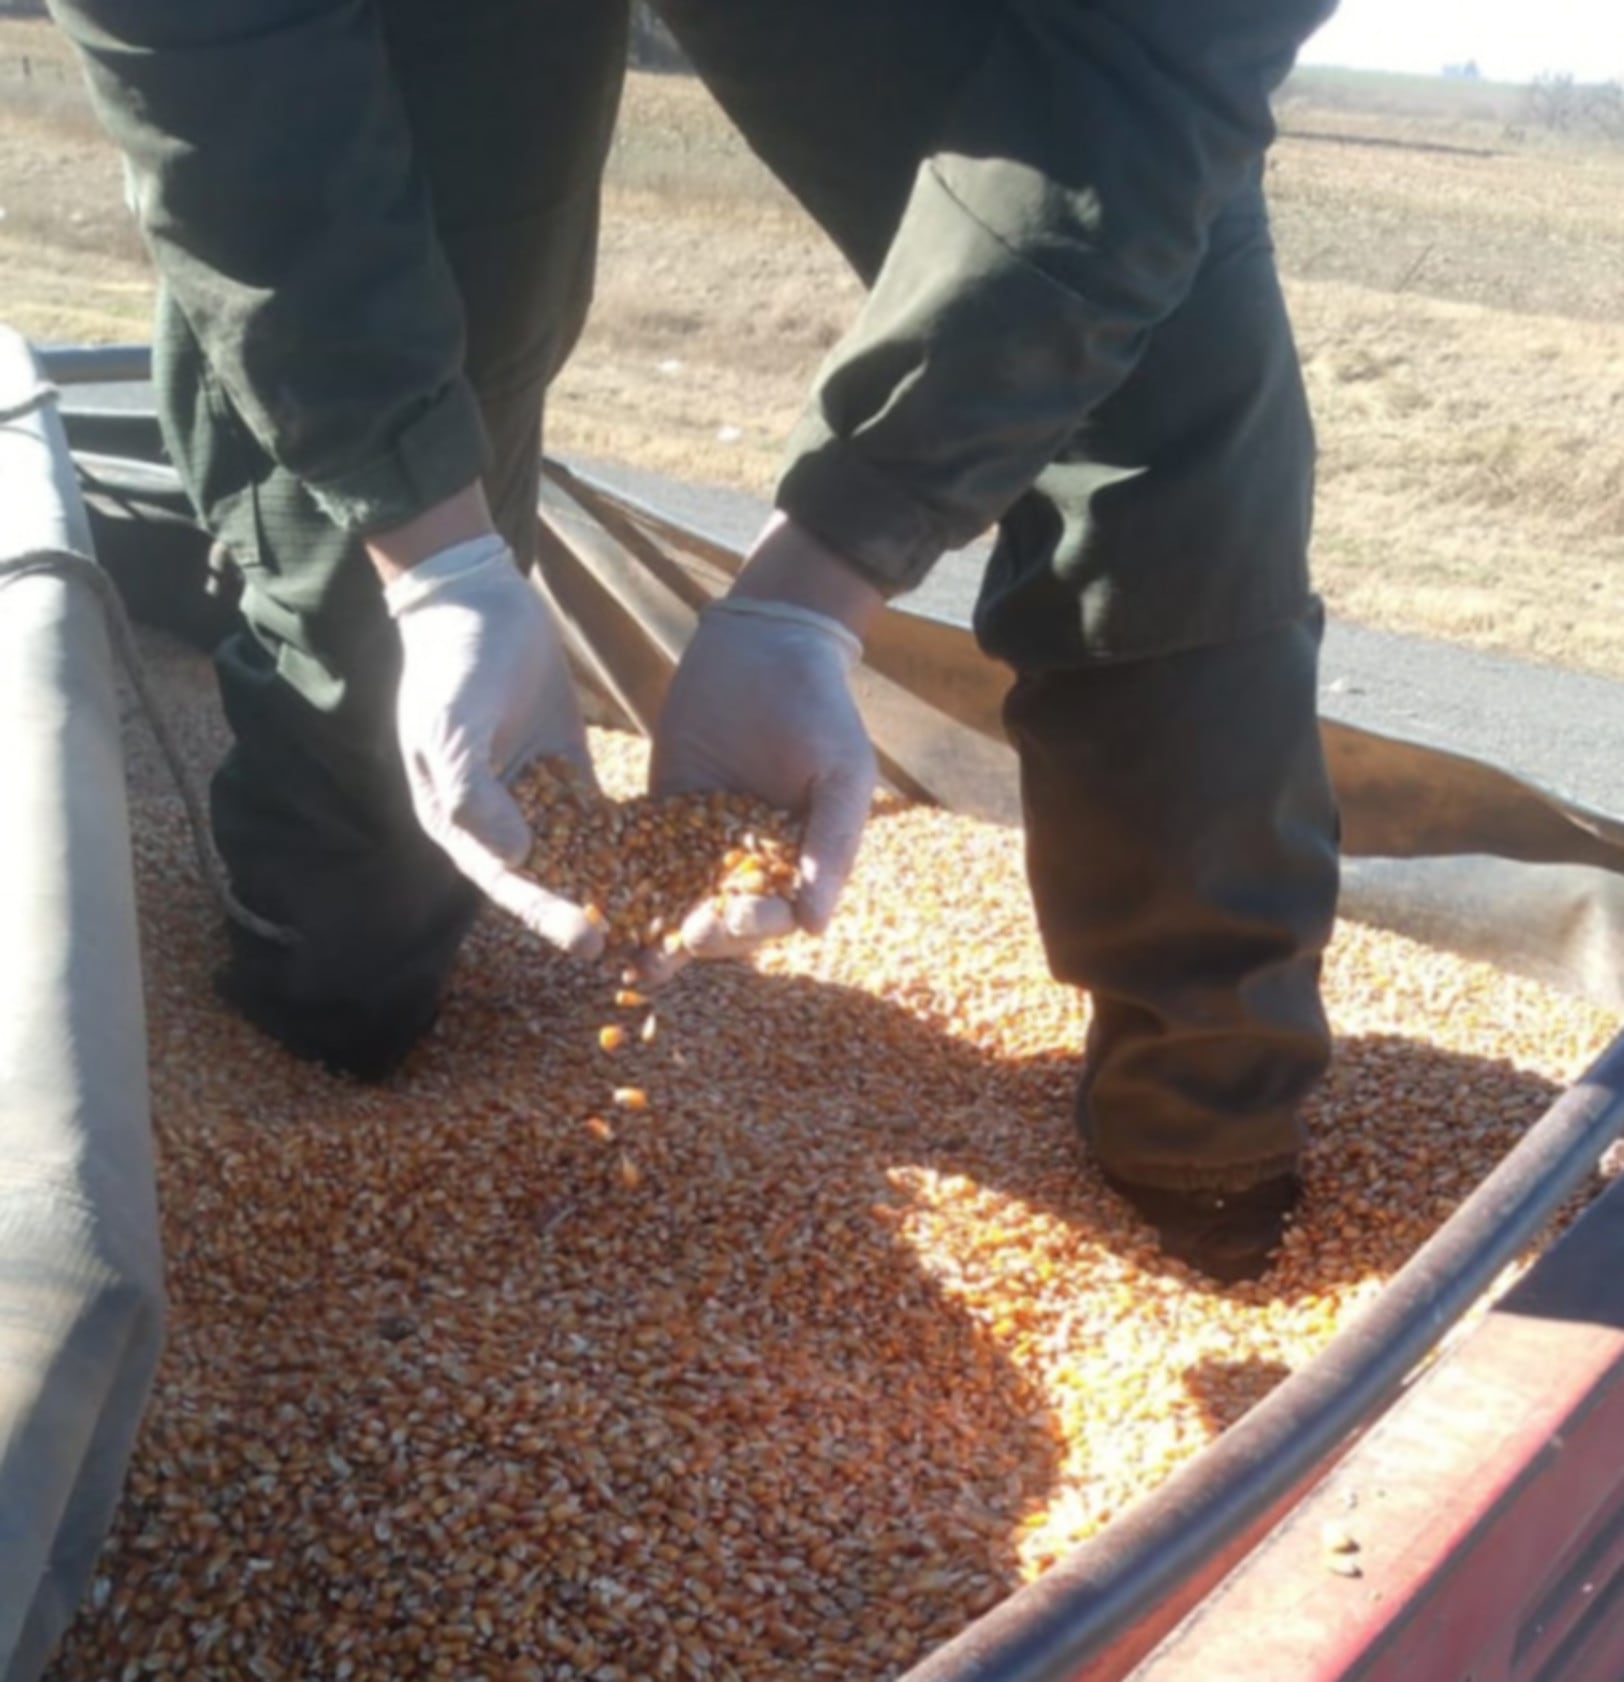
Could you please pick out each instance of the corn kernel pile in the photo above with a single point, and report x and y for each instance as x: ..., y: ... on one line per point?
x: 641, y: 864
x: 787, y: 1374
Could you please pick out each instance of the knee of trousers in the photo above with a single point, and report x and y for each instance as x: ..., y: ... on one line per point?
x: 1178, y: 518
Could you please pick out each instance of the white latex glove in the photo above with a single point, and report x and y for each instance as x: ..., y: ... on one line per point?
x: 761, y: 704
x: 484, y: 690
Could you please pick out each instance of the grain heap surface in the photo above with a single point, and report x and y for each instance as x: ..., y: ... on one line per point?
x: 855, y: 1348
x: 641, y: 864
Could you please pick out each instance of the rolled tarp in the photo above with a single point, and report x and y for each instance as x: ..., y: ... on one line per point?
x: 80, y: 1267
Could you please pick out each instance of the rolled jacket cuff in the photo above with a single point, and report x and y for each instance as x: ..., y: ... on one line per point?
x: 865, y: 516
x: 438, y: 453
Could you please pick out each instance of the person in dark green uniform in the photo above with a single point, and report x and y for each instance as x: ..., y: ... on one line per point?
x: 374, y: 226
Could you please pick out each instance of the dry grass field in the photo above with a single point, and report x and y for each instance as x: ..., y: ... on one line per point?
x: 1457, y: 281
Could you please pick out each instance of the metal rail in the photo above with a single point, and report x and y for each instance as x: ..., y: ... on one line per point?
x: 95, y: 364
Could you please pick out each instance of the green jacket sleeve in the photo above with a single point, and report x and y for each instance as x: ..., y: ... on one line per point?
x: 272, y: 174
x: 1062, y: 215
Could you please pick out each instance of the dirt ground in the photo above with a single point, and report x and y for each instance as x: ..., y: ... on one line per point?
x: 1457, y: 284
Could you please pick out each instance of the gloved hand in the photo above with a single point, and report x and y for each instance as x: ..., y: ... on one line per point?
x: 761, y: 704
x: 484, y: 690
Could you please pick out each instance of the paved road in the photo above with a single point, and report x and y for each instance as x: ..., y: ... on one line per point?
x: 1562, y: 729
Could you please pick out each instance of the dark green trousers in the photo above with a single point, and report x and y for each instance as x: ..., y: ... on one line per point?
x: 1149, y: 582
x: 374, y: 227
x: 376, y: 237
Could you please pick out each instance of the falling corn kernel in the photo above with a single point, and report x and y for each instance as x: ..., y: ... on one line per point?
x: 628, y: 998
x: 650, y: 1029
x: 631, y: 1097
x: 611, y: 1037
x: 631, y: 1176
x: 1337, y: 1539
x: 600, y: 1129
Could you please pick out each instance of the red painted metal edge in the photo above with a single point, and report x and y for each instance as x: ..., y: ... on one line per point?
x: 1116, y: 1662
x: 1487, y: 1508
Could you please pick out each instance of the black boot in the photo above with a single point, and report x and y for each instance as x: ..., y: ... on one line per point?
x: 1227, y: 1235
x: 366, y: 1040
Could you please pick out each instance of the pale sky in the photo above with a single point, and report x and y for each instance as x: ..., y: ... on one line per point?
x: 1512, y: 40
